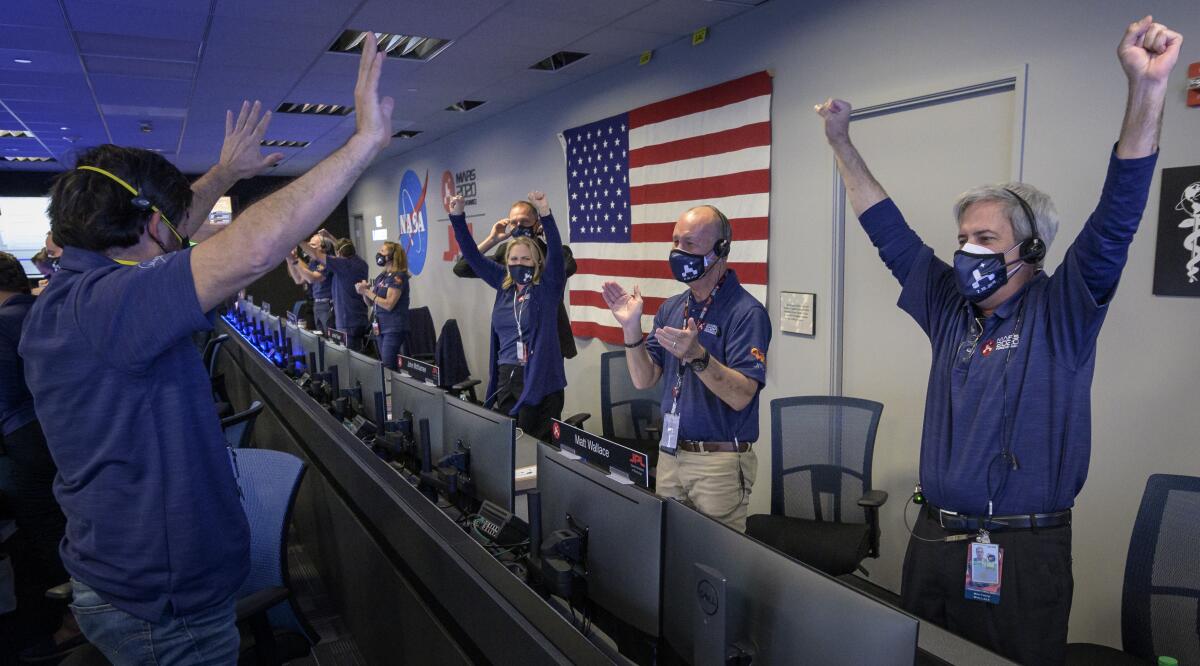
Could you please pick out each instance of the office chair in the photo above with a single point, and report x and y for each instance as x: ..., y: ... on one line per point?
x: 210, y: 352
x: 451, y: 360
x: 1160, y: 599
x: 629, y: 416
x: 269, y: 481
x: 823, y: 510
x: 422, y: 339
x: 239, y: 428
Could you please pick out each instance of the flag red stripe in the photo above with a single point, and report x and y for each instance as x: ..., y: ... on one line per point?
x: 586, y: 329
x: 748, y: 273
x: 705, y: 99
x: 744, y: 228
x: 596, y: 300
x: 711, y: 187
x: 746, y: 136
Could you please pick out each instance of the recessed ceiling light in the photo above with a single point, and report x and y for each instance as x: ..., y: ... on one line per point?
x: 15, y: 134
x: 22, y: 61
x: 409, y: 47
x: 406, y: 134
x: 279, y: 143
x: 314, y: 109
x: 465, y: 105
x: 558, y: 61
x: 64, y: 128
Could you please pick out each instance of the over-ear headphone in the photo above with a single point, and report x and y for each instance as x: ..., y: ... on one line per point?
x: 1033, y: 249
x: 721, y: 248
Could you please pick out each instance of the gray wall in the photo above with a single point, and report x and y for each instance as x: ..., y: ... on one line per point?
x: 1146, y: 379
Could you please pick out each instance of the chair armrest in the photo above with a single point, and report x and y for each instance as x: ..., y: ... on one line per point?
x: 60, y: 592
x: 260, y: 601
x: 873, y: 499
x: 655, y: 432
x: 462, y: 386
x: 576, y: 420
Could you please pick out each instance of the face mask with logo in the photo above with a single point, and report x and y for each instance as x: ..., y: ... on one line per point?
x: 521, y: 231
x: 688, y: 267
x: 381, y: 259
x: 520, y: 274
x: 979, y: 272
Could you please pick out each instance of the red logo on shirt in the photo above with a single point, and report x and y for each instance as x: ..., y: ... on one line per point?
x: 758, y: 355
x: 989, y: 347
x: 557, y: 431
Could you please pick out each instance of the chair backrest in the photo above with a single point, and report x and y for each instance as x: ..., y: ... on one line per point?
x: 1160, y: 606
x: 421, y: 335
x: 451, y: 358
x: 239, y: 428
x: 269, y: 481
x: 210, y: 352
x: 625, y: 410
x: 821, y: 449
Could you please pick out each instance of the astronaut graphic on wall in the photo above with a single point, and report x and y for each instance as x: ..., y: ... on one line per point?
x: 1189, y: 203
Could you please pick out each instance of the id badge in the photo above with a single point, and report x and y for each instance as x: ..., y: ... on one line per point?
x: 670, y: 433
x: 985, y: 561
x: 375, y: 328
x: 522, y: 353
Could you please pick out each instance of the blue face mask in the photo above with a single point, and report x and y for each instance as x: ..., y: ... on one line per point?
x: 979, y: 272
x: 522, y: 231
x: 381, y: 259
x: 688, y: 267
x: 520, y: 274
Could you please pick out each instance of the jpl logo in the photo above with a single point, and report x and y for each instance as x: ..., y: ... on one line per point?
x: 414, y: 232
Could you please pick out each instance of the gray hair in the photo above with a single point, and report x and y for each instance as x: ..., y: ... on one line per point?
x: 1044, y: 213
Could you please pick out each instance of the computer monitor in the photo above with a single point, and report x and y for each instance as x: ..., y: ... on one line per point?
x: 338, y: 355
x: 425, y: 403
x: 624, y: 523
x: 489, y: 437
x: 778, y: 609
x: 310, y: 343
x: 367, y: 374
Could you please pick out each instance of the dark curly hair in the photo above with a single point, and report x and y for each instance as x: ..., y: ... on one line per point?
x: 88, y: 210
x: 12, y: 276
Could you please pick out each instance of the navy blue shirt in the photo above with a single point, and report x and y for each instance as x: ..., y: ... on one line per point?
x: 349, y: 310
x: 396, y: 319
x: 154, y: 523
x: 16, y: 404
x: 1038, y: 373
x: 324, y: 288
x: 737, y: 332
x: 504, y: 323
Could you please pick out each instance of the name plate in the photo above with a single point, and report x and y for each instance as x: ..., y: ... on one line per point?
x: 420, y: 371
x: 624, y: 465
x: 336, y: 336
x: 266, y: 308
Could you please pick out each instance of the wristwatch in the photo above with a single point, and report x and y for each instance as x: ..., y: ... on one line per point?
x: 700, y: 364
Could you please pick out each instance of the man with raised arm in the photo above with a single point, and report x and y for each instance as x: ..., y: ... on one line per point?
x: 1007, y: 433
x: 157, y: 541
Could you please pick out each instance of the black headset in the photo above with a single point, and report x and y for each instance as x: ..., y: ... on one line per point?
x: 721, y: 248
x: 1033, y: 249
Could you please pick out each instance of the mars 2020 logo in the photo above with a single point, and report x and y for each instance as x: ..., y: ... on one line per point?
x: 414, y: 228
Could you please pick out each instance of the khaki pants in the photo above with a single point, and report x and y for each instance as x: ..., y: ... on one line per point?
x: 717, y: 484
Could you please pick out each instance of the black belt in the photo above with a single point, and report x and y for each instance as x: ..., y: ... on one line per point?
x: 694, y: 446
x: 322, y: 300
x: 949, y: 520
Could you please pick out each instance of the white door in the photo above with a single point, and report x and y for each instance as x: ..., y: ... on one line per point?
x: 924, y: 155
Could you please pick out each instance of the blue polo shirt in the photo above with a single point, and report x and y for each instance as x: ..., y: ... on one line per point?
x: 504, y: 323
x: 396, y: 319
x: 324, y: 288
x: 154, y: 523
x: 1033, y: 361
x: 16, y: 404
x: 737, y: 332
x: 349, y: 310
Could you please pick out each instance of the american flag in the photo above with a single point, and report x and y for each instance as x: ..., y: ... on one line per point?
x: 629, y: 177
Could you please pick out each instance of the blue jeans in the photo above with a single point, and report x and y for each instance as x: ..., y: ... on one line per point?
x: 207, y: 637
x: 390, y: 345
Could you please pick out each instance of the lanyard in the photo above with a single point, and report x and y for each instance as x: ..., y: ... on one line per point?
x: 517, y: 298
x: 687, y: 309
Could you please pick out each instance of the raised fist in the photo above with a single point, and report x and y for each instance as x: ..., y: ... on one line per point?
x: 1148, y: 51
x: 837, y: 119
x: 538, y: 199
x: 457, y: 204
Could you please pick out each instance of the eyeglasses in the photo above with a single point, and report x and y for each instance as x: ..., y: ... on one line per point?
x: 966, y: 348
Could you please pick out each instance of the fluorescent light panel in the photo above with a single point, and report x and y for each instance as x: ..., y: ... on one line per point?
x: 278, y: 143
x: 27, y: 158
x: 314, y: 109
x: 558, y: 61
x: 406, y: 134
x: 465, y: 105
x: 15, y: 134
x: 393, y: 45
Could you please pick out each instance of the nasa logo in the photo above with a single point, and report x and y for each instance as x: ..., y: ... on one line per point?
x: 706, y: 596
x: 414, y: 230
